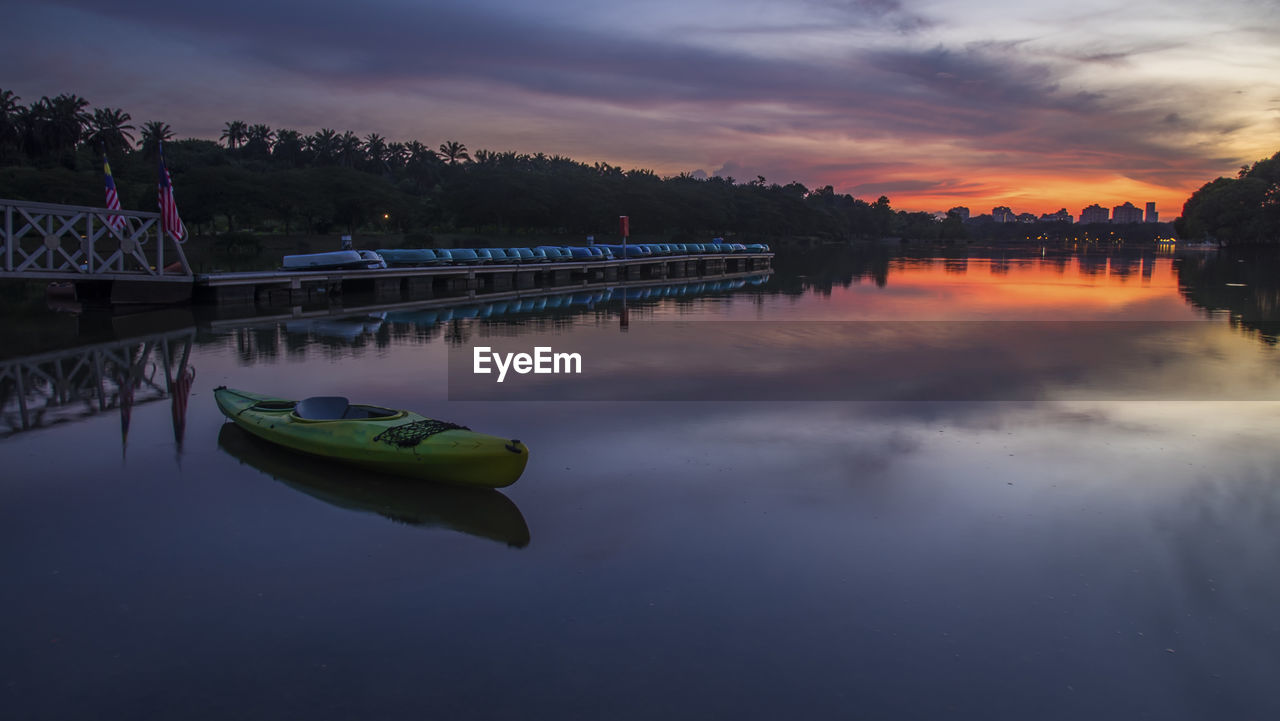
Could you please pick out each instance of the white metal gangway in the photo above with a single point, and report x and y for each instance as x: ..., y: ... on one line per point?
x: 72, y: 242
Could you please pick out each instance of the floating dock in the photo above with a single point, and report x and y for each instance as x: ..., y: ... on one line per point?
x: 286, y: 288
x: 484, y: 305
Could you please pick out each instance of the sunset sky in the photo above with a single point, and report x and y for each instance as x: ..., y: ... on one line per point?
x: 1032, y: 104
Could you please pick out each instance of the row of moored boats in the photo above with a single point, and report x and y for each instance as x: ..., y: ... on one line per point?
x: 419, y: 257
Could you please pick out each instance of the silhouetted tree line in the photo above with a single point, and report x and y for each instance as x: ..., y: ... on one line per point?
x: 280, y: 179
x: 1240, y: 210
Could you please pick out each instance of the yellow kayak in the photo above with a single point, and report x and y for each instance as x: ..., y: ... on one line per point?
x: 402, y: 443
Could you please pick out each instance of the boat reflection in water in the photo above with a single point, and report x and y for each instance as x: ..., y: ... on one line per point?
x: 341, y: 329
x: 583, y: 300
x: 474, y: 511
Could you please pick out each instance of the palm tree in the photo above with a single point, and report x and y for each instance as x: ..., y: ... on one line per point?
x: 258, y: 140
x: 454, y: 152
x: 70, y: 114
x: 110, y: 131
x: 153, y: 133
x: 288, y: 147
x: 51, y: 127
x: 8, y: 105
x: 323, y: 145
x: 375, y: 149
x: 419, y: 153
x: 397, y: 155
x: 420, y: 164
x: 608, y: 170
x: 234, y: 133
x: 350, y: 149
x: 9, y: 114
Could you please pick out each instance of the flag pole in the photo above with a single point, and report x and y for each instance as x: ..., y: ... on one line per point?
x: 624, y: 224
x: 170, y: 222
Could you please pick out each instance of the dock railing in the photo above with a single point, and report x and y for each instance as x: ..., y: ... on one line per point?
x: 71, y: 242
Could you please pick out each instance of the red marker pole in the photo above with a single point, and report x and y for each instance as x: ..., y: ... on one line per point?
x: 624, y: 224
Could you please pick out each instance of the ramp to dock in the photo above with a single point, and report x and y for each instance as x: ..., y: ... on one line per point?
x: 117, y: 256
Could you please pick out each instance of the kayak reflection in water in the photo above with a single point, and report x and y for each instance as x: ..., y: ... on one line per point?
x: 478, y: 512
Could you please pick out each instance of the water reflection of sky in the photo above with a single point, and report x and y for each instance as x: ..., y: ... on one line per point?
x: 1083, y: 557
x: 911, y: 360
x: 1142, y: 288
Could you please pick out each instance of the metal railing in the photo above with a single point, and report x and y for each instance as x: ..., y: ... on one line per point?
x: 71, y: 242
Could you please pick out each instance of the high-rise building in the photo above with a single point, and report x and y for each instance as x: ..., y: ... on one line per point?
x: 1062, y: 216
x: 1152, y: 216
x: 1026, y: 217
x: 1127, y: 213
x: 1002, y: 214
x: 1095, y: 214
x: 960, y: 211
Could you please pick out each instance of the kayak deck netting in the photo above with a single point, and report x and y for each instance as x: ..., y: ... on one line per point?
x: 413, y: 433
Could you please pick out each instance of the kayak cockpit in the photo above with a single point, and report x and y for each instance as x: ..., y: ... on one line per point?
x: 274, y: 405
x: 371, y: 412
x: 337, y: 408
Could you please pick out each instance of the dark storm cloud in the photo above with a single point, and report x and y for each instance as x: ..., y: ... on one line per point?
x: 989, y: 97
x: 393, y: 43
x: 383, y: 44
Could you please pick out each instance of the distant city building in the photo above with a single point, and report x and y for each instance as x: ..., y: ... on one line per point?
x: 959, y: 211
x: 1127, y: 213
x: 1095, y: 214
x: 1062, y: 216
x: 1152, y: 215
x: 1026, y: 217
x: 1002, y: 214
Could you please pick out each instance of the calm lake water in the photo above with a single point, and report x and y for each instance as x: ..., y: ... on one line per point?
x: 876, y: 485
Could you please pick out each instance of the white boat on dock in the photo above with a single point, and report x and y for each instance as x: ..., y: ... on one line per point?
x: 338, y: 259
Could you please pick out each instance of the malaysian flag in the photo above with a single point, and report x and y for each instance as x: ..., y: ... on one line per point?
x: 168, y: 206
x: 180, y: 392
x: 113, y: 199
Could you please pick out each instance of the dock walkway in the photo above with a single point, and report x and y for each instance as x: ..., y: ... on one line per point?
x: 396, y: 284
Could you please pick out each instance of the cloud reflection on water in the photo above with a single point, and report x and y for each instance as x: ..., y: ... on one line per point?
x: 978, y: 360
